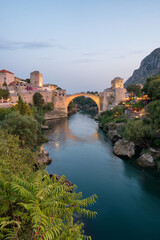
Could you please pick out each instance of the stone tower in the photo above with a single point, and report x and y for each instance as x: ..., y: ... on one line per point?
x: 36, y: 79
x: 117, y: 83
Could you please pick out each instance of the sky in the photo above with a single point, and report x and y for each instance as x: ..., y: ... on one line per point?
x: 80, y: 45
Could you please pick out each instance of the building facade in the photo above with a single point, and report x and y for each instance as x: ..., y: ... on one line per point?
x: 6, y: 77
x: 113, y: 95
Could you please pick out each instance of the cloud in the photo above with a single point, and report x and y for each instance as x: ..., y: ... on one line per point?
x: 14, y: 45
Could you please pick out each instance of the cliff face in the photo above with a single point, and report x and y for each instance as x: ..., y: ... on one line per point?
x: 150, y: 66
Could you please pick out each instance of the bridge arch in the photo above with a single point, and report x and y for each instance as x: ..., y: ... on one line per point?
x: 95, y: 98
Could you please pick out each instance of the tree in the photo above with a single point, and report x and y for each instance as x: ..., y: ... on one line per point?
x: 4, y: 84
x: 23, y: 107
x: 4, y: 93
x: 4, y: 112
x: 148, y: 81
x: 38, y: 100
x: 154, y: 89
x: 138, y: 132
x: 13, y: 157
x: 28, y: 80
x: 134, y: 89
x: 154, y: 112
x: 25, y: 127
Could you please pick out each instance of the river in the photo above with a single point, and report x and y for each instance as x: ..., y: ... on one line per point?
x: 128, y: 202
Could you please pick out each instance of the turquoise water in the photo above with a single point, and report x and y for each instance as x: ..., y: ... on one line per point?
x: 128, y: 202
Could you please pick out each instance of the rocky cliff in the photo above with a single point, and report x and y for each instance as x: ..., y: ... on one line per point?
x: 150, y: 66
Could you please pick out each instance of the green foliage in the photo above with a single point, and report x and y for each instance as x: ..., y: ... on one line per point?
x: 4, y: 84
x: 4, y: 93
x: 92, y: 92
x: 27, y: 80
x: 154, y: 112
x: 12, y: 156
x: 156, y: 143
x: 23, y: 107
x: 33, y: 205
x: 25, y: 127
x: 138, y: 132
x: 71, y: 106
x: 137, y: 105
x: 152, y: 87
x: 85, y: 102
x: 134, y: 89
x: 114, y: 115
x: 48, y: 107
x: 38, y: 100
x: 4, y: 112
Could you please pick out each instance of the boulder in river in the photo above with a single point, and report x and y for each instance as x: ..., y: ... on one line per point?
x: 146, y: 160
x: 124, y: 148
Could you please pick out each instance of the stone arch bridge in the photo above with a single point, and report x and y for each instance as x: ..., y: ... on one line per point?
x: 61, y: 102
x: 95, y: 98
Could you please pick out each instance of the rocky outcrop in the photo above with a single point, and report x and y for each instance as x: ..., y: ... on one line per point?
x: 113, y: 135
x: 65, y: 181
x: 114, y: 126
x: 43, y: 158
x: 55, y: 115
x: 150, y: 66
x: 146, y: 160
x: 124, y: 148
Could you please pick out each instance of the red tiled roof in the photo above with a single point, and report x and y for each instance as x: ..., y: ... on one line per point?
x: 5, y: 71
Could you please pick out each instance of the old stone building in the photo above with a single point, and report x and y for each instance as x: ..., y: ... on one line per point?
x: 113, y: 95
x: 36, y: 79
x: 6, y: 77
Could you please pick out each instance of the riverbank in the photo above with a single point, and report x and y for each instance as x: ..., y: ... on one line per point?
x: 130, y: 138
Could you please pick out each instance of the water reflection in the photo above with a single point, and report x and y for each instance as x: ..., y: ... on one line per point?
x: 62, y: 131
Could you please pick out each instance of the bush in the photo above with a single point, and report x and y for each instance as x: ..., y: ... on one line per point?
x: 25, y: 127
x: 4, y: 112
x: 38, y: 100
x: 156, y: 143
x: 48, y: 107
x: 4, y: 93
x: 138, y: 132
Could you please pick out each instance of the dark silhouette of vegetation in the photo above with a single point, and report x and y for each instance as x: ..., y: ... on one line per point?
x: 4, y: 93
x: 38, y: 100
x: 134, y: 89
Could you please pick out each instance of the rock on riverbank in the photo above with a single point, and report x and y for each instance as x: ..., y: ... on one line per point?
x: 43, y: 158
x: 124, y: 148
x: 146, y: 160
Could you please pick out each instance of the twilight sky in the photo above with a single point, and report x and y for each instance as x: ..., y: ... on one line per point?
x: 79, y: 45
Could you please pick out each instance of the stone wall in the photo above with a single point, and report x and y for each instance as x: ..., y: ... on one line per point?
x: 119, y: 94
